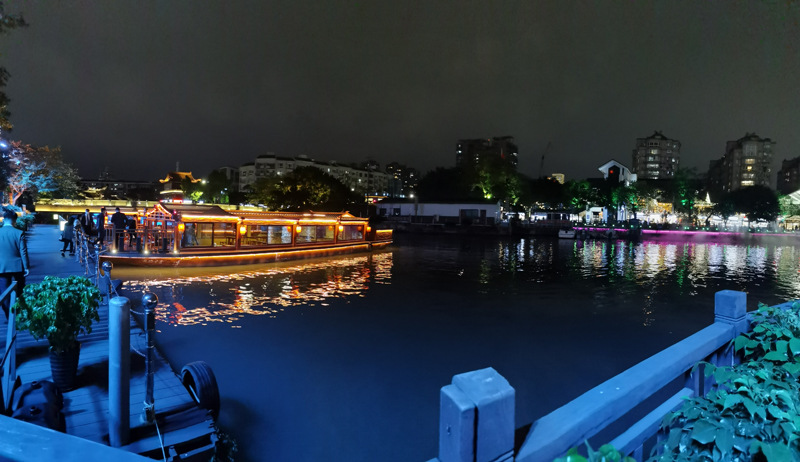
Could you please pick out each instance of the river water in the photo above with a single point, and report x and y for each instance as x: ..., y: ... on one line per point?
x: 343, y: 358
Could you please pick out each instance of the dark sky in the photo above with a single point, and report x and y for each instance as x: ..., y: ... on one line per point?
x: 137, y: 86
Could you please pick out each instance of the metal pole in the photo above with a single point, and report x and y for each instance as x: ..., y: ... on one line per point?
x: 107, y: 267
x: 149, y: 301
x: 119, y: 371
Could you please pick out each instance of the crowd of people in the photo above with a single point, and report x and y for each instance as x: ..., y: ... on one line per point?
x: 93, y: 226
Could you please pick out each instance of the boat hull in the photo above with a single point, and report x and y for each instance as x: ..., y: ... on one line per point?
x: 240, y: 257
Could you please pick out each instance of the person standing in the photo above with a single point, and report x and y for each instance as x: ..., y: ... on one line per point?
x: 86, y: 223
x: 119, y: 220
x: 13, y: 256
x: 101, y: 226
x: 68, y: 236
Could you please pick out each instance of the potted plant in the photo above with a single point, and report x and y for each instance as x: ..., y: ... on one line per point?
x: 59, y: 309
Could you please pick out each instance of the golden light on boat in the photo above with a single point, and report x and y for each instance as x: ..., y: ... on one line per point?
x: 243, y: 229
x: 298, y: 228
x: 341, y: 228
x: 181, y: 227
x: 369, y: 228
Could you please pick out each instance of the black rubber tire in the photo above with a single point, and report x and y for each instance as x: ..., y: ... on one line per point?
x: 199, y: 380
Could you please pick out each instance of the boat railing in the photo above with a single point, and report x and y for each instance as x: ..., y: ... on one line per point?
x: 671, y: 373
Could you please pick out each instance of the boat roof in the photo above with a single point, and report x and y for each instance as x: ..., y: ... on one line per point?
x: 188, y: 211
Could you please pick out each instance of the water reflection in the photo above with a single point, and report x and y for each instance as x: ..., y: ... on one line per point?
x: 604, y: 275
x: 230, y: 297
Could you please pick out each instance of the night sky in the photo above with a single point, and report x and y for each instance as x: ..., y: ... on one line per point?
x: 136, y: 86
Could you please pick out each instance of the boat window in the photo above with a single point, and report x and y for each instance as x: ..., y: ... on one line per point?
x: 315, y: 233
x: 189, y: 237
x: 224, y: 234
x: 204, y: 234
x: 259, y: 235
x: 351, y: 233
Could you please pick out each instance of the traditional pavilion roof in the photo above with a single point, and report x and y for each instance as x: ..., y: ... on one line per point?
x: 179, y: 176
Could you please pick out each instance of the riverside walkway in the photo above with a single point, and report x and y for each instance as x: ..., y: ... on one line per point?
x: 87, y: 408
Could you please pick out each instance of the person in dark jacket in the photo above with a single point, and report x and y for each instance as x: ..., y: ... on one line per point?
x: 68, y: 236
x: 14, y: 263
x: 101, y: 226
x: 119, y: 220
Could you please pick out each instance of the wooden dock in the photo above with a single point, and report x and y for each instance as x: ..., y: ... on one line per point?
x: 86, y: 408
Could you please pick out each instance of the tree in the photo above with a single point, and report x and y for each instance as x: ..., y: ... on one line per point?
x: 581, y: 195
x: 305, y: 188
x: 191, y: 189
x: 217, y: 187
x: 446, y: 184
x: 788, y: 207
x: 496, y: 178
x: 7, y: 23
x: 685, y: 187
x: 547, y: 193
x: 757, y: 203
x: 38, y: 170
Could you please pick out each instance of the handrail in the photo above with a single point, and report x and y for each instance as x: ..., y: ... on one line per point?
x: 10, y: 355
x: 463, y: 402
x: 583, y: 417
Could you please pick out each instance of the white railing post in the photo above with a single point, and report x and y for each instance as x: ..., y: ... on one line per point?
x: 730, y: 307
x: 476, y: 420
x: 119, y: 370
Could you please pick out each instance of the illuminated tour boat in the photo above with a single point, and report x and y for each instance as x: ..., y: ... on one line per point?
x: 170, y: 234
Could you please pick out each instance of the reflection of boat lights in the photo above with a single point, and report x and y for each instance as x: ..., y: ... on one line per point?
x: 233, y: 296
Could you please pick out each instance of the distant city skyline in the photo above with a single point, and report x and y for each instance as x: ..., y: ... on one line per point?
x: 139, y: 86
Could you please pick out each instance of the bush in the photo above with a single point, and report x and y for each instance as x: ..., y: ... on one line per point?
x: 58, y: 309
x: 754, y: 413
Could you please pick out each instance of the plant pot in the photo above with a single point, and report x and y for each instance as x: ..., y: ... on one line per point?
x: 64, y: 367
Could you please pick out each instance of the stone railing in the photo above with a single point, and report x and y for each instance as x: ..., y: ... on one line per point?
x: 477, y: 409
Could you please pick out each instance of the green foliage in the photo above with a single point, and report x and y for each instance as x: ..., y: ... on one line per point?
x: 684, y: 191
x: 24, y: 221
x: 548, y: 194
x: 58, y: 309
x: 788, y: 207
x: 756, y: 202
x: 7, y: 23
x: 216, y: 188
x: 754, y: 413
x: 305, y: 188
x: 446, y: 184
x: 606, y: 453
x: 582, y: 195
x: 37, y: 170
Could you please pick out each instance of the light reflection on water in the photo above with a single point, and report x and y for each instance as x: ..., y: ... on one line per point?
x: 518, y: 270
x: 347, y: 339
x: 202, y: 297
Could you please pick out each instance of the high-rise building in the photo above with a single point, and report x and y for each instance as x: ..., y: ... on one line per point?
x: 470, y: 152
x: 746, y: 163
x: 789, y: 176
x: 656, y: 157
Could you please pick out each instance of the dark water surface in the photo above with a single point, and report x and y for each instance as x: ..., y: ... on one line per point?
x: 343, y: 358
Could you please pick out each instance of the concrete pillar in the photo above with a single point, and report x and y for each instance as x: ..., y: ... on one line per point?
x: 730, y: 307
x: 476, y: 422
x: 119, y: 371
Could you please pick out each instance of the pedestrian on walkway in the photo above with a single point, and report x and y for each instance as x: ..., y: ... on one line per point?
x: 101, y: 226
x: 86, y: 223
x: 68, y: 236
x: 119, y: 220
x: 13, y: 256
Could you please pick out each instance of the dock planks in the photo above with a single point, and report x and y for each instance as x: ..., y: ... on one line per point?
x: 86, y: 407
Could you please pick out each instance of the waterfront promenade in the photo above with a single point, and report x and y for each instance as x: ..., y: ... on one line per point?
x: 86, y: 407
